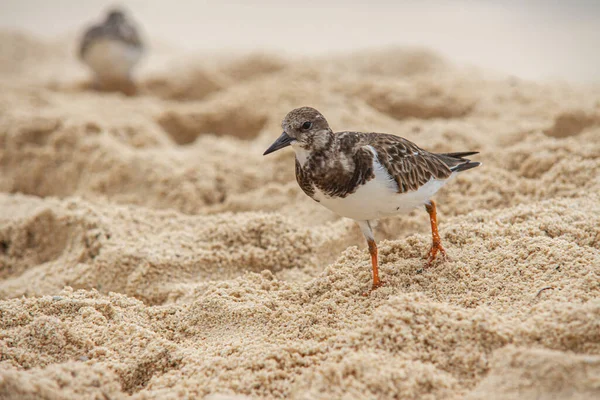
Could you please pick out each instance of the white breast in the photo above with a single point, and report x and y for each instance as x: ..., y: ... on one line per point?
x: 112, y: 59
x: 301, y: 153
x: 379, y: 197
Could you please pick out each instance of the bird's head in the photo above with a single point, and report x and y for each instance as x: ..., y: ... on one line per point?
x: 304, y: 127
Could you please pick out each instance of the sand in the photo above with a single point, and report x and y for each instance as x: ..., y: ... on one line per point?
x: 149, y: 251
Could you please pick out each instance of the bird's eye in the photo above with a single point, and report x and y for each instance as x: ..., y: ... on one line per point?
x: 306, y: 125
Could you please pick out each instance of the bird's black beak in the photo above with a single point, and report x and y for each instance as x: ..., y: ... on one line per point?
x: 282, y: 141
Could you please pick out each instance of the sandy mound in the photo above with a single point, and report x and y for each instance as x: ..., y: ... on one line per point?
x: 148, y: 250
x: 540, y: 374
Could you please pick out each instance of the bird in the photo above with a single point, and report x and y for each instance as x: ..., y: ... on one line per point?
x: 367, y: 176
x: 111, y: 50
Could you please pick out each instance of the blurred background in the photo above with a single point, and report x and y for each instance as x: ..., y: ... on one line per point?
x: 530, y: 39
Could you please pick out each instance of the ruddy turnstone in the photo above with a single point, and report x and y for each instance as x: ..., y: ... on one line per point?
x: 367, y: 176
x: 111, y: 50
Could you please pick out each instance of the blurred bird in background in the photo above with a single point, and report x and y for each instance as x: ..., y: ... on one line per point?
x: 111, y: 50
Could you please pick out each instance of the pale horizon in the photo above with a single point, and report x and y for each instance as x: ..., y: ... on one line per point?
x: 535, y: 41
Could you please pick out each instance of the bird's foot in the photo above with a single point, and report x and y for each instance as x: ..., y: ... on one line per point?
x: 376, y: 285
x: 435, y: 249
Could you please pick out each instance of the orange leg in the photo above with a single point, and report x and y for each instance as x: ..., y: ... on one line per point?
x: 373, y: 251
x: 437, y: 241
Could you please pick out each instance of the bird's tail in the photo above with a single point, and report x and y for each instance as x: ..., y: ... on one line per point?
x: 459, y: 155
x: 466, y: 166
x: 457, y: 161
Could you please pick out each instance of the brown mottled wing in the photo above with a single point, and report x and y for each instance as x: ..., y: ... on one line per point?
x: 410, y: 166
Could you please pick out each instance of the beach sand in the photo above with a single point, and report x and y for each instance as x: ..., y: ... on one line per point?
x: 149, y: 251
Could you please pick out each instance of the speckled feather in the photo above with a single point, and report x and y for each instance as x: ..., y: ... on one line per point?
x: 346, y: 162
